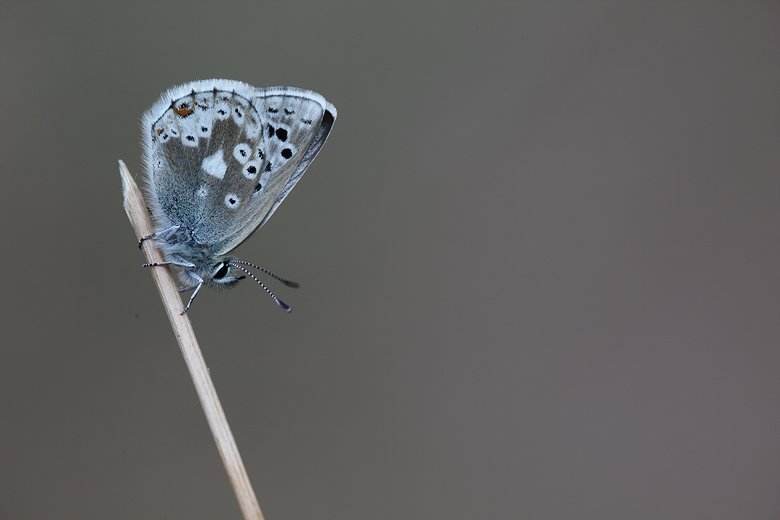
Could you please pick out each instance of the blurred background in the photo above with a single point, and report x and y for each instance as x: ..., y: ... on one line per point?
x: 538, y: 261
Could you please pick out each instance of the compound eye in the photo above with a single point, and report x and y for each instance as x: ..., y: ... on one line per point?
x: 222, y: 270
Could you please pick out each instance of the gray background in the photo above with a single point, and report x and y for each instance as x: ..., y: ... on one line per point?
x: 538, y: 262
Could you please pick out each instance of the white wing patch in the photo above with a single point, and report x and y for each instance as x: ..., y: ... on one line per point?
x: 215, y: 165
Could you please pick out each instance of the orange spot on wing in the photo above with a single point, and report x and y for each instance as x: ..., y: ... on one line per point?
x: 183, y: 110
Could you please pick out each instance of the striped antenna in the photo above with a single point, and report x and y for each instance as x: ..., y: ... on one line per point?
x: 277, y: 300
x: 269, y: 273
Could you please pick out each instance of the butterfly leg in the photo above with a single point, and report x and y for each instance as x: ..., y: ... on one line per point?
x: 177, y: 264
x: 165, y: 233
x: 185, y: 265
x: 197, y: 288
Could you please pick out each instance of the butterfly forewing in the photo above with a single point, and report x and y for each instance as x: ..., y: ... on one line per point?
x: 295, y: 125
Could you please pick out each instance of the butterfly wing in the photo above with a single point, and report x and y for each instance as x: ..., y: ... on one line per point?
x: 221, y: 155
x: 296, y: 124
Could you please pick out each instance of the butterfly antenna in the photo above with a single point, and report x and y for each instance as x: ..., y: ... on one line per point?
x: 277, y: 300
x: 269, y: 273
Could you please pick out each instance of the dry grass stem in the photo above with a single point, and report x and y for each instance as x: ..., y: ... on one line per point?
x: 139, y: 217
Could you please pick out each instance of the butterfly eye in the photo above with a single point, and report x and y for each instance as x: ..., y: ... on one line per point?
x: 221, y: 271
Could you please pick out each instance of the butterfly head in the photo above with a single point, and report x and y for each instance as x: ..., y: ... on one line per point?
x: 220, y: 277
x: 216, y: 274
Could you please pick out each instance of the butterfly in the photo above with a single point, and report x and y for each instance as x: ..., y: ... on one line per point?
x: 220, y: 156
